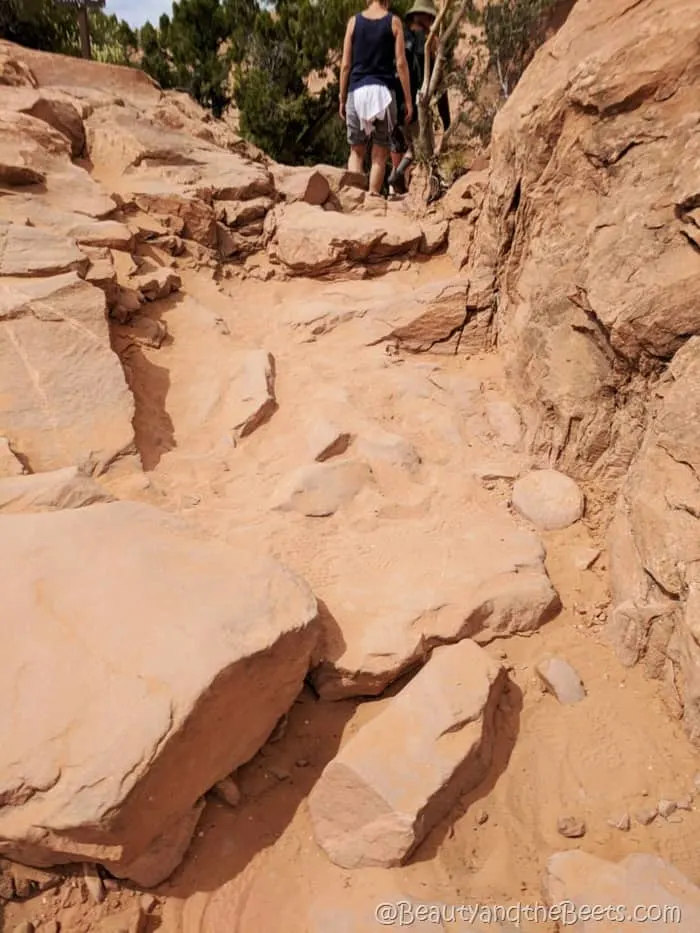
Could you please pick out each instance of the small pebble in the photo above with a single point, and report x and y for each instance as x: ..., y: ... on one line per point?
x: 571, y: 827
x: 646, y: 816
x: 280, y: 773
x: 667, y: 807
x: 302, y: 763
x: 685, y: 803
x: 623, y: 823
x: 482, y: 817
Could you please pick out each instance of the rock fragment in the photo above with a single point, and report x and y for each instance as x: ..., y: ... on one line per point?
x: 375, y: 802
x: 561, y: 679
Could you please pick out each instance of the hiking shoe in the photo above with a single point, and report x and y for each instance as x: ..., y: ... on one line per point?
x: 397, y: 182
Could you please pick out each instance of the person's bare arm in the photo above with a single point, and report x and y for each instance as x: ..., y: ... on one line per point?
x: 402, y: 67
x: 346, y: 66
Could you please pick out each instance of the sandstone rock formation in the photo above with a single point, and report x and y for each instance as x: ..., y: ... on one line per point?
x: 68, y: 488
x: 586, y: 238
x: 115, y: 688
x: 309, y: 242
x: 375, y: 802
x: 587, y: 244
x: 606, y: 897
x: 63, y: 396
x: 487, y: 582
x: 654, y: 544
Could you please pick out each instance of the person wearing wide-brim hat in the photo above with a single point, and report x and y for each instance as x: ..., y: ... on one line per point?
x: 418, y: 22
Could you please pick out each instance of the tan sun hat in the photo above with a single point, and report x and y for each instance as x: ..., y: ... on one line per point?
x: 427, y: 7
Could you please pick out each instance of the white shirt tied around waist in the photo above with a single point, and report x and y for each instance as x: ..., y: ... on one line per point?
x: 371, y: 103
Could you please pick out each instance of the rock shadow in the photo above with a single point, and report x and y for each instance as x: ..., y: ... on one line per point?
x: 274, y: 784
x: 506, y: 730
x: 149, y: 383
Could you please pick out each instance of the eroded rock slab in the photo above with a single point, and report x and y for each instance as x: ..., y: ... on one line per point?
x: 309, y: 241
x: 654, y: 545
x: 302, y: 184
x: 642, y: 890
x: 63, y: 395
x: 585, y: 292
x: 26, y: 251
x: 376, y: 801
x: 320, y: 489
x: 428, y: 319
x: 252, y: 391
x: 68, y: 488
x: 484, y: 580
x: 115, y: 732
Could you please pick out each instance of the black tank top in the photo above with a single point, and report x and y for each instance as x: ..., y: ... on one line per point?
x: 373, y: 58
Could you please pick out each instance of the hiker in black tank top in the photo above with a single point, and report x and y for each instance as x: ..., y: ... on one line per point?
x: 373, y: 53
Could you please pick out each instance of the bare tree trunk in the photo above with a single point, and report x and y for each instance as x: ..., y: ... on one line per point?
x: 84, y: 26
x: 432, y: 77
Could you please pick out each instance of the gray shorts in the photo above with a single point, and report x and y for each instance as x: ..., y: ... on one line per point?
x: 381, y: 135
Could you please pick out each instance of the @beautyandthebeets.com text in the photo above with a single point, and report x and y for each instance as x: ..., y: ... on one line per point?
x: 566, y: 913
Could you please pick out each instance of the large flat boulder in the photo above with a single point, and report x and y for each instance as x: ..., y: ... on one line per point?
x: 133, y: 684
x: 53, y: 108
x: 31, y: 252
x: 69, y: 226
x: 402, y: 772
x: 485, y: 580
x: 142, y: 149
x: 68, y: 72
x: 310, y: 241
x: 63, y: 395
x: 641, y: 891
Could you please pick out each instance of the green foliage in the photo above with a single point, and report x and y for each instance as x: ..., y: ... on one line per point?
x: 194, y: 48
x: 53, y: 27
x: 511, y: 33
x: 513, y: 30
x: 113, y: 41
x: 39, y: 24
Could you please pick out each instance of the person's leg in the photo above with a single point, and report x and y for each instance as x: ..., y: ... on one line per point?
x: 398, y: 148
x: 356, y: 160
x: 378, y: 170
x: 356, y: 139
x: 381, y: 142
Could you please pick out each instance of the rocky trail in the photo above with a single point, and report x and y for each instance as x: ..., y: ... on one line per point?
x: 333, y: 533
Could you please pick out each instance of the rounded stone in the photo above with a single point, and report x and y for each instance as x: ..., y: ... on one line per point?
x: 549, y: 499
